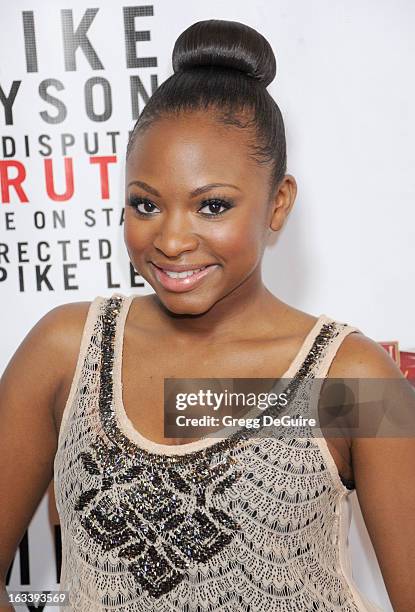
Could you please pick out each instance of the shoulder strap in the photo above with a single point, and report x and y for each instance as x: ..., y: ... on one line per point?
x: 331, y: 347
x: 87, y: 333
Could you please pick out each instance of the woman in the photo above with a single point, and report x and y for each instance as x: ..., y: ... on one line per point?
x: 236, y: 523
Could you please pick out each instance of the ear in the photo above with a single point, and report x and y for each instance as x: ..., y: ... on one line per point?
x: 282, y: 201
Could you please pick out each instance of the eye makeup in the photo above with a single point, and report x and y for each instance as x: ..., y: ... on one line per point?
x: 218, y: 202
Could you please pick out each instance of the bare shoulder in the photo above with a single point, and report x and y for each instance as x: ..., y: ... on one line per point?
x: 53, y: 334
x: 48, y: 350
x: 34, y: 374
x: 66, y: 320
x: 360, y: 356
x: 64, y: 325
x: 60, y: 330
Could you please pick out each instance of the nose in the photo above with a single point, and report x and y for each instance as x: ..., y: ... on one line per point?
x: 176, y: 234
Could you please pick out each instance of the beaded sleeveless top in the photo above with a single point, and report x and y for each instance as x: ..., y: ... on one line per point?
x: 239, y: 523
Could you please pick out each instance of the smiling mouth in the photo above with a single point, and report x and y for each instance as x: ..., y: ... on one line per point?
x: 181, y: 267
x: 183, y: 280
x: 183, y: 273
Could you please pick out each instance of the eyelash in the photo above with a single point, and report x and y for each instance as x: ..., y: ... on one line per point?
x: 134, y: 201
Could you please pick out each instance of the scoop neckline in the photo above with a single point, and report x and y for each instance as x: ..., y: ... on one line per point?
x: 125, y: 424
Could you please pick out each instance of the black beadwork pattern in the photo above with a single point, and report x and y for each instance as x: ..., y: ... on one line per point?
x: 162, y: 524
x: 151, y: 511
x: 150, y: 515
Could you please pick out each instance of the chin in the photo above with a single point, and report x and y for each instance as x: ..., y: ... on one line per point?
x: 185, y: 303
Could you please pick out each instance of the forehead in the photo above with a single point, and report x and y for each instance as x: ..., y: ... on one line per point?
x: 192, y: 143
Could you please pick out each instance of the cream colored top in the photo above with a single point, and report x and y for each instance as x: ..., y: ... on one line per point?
x: 238, y: 523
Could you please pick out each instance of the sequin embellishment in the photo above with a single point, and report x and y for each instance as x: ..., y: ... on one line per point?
x: 168, y: 519
x: 169, y: 513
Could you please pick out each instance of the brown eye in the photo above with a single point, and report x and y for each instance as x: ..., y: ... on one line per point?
x: 215, y: 204
x: 147, y: 207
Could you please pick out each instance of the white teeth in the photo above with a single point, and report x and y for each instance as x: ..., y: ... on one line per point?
x: 182, y: 274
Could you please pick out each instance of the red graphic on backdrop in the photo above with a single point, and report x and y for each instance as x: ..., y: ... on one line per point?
x: 404, y: 359
x: 13, y: 175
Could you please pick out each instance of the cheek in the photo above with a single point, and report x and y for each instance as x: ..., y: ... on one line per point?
x: 135, y: 235
x: 239, y: 240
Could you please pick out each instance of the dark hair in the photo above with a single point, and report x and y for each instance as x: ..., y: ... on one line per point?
x: 225, y: 67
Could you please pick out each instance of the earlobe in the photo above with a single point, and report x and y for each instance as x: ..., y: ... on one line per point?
x: 276, y: 216
x: 276, y: 220
x: 283, y: 202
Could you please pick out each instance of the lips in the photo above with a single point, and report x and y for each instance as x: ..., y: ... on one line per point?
x: 180, y: 268
x: 188, y: 283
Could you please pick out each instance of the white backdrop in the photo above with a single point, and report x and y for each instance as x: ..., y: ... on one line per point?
x: 344, y: 85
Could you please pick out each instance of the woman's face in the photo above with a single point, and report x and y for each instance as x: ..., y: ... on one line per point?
x: 174, y: 216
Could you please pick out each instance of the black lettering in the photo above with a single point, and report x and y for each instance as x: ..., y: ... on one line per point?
x: 107, y: 213
x: 134, y: 276
x: 21, y: 279
x: 67, y: 140
x: 41, y: 277
x: 11, y: 152
x: 88, y: 149
x: 58, y: 104
x: 110, y: 282
x: 22, y: 252
x: 89, y: 99
x: 83, y: 250
x: 58, y: 552
x: 64, y: 244
x: 26, y: 145
x: 45, y: 257
x: 8, y: 101
x: 67, y: 276
x: 24, y: 561
x: 102, y: 243
x: 4, y: 249
x: 30, y: 41
x: 132, y: 36
x: 39, y: 219
x: 58, y: 218
x: 9, y: 219
x: 90, y: 216
x: 113, y: 142
x: 44, y: 140
x: 137, y: 88
x: 72, y: 40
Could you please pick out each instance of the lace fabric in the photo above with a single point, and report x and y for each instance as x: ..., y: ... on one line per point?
x: 240, y: 524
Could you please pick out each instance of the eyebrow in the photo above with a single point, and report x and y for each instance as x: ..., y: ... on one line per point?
x: 192, y: 194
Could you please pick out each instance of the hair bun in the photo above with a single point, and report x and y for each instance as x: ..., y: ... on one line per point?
x: 226, y: 44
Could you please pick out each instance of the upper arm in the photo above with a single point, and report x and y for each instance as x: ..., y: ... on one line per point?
x: 28, y: 441
x: 384, y: 468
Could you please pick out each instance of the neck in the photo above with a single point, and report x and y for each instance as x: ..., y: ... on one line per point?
x: 245, y: 311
